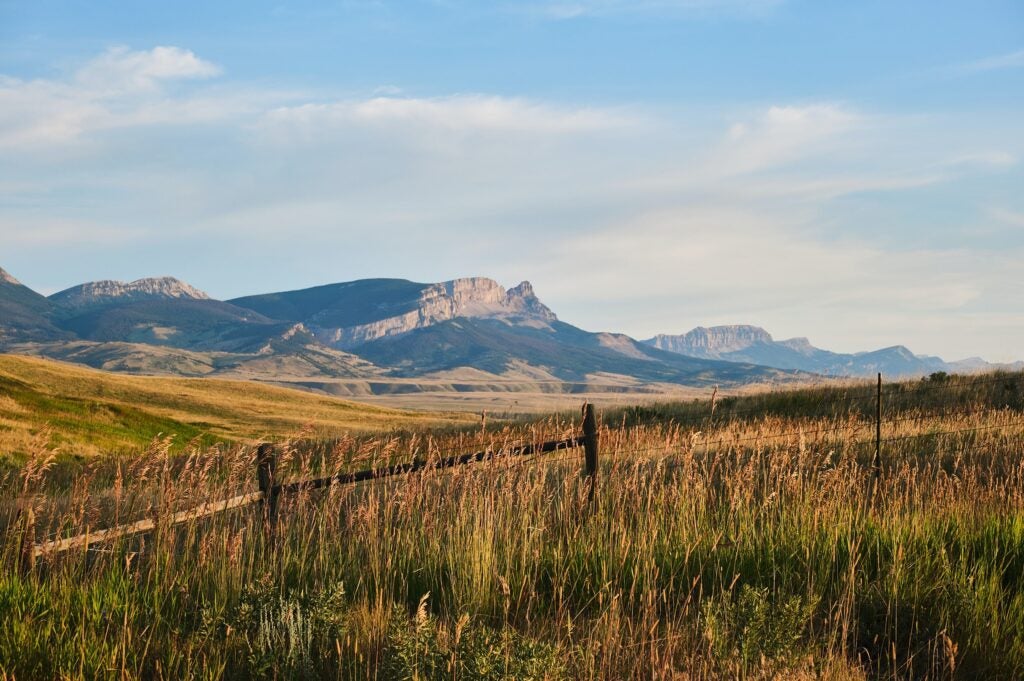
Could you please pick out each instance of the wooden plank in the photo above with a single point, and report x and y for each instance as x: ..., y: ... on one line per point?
x: 418, y: 465
x: 146, y: 525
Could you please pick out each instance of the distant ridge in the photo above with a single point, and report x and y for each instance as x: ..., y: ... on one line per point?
x: 745, y: 343
x: 395, y: 334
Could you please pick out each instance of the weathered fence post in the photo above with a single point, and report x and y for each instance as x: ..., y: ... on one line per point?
x: 876, y: 462
x: 590, y: 446
x: 266, y: 470
x: 26, y: 552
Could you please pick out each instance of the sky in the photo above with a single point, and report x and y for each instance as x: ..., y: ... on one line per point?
x: 848, y: 172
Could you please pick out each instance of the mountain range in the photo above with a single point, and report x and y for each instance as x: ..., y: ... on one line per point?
x: 743, y: 343
x: 395, y: 335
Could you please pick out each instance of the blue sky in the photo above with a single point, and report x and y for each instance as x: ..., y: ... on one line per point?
x: 845, y: 171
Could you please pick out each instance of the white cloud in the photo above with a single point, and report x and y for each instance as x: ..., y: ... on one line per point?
x: 784, y: 134
x: 671, y: 270
x: 120, y: 69
x: 43, y: 112
x: 679, y: 220
x: 118, y: 89
x: 751, y: 155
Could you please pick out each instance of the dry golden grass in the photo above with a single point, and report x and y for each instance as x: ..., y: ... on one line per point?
x: 92, y: 412
x: 746, y: 546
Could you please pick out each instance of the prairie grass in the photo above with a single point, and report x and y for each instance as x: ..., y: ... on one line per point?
x: 89, y: 413
x: 754, y: 544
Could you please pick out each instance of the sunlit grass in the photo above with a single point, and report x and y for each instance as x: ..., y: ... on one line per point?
x: 89, y: 413
x: 736, y: 548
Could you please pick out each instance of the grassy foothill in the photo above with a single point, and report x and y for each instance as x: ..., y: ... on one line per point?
x: 80, y: 412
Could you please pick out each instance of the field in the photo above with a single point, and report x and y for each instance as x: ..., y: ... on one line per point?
x: 79, y: 412
x: 749, y: 538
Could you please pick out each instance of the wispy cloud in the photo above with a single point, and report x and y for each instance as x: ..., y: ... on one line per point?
x: 783, y: 134
x: 120, y: 88
x: 1008, y: 217
x: 465, y: 113
x: 724, y: 212
x: 572, y: 9
x: 1011, y: 60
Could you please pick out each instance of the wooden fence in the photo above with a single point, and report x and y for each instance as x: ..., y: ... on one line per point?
x: 270, y: 491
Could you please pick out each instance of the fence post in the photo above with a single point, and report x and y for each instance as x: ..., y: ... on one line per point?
x: 590, y: 446
x: 876, y: 463
x: 266, y: 470
x: 26, y: 552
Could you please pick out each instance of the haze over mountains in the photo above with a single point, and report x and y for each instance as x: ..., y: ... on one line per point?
x: 391, y: 334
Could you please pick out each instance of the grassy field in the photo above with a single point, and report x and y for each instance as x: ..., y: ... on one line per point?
x: 747, y: 544
x: 80, y: 412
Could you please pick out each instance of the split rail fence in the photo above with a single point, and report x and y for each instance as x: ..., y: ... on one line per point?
x: 270, y: 489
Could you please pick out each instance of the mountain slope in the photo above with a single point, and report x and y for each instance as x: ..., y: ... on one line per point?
x: 377, y: 331
x: 563, y: 351
x: 195, y: 324
x: 346, y: 315
x: 24, y: 314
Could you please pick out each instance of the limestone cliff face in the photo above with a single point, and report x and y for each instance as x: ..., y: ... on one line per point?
x: 99, y: 293
x: 714, y: 341
x: 470, y: 297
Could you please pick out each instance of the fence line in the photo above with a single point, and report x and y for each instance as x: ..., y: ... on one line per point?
x: 270, y: 490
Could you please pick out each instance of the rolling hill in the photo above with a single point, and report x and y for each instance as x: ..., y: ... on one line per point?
x: 81, y: 411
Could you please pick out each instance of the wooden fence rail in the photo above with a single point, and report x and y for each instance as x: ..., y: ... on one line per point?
x: 270, y: 490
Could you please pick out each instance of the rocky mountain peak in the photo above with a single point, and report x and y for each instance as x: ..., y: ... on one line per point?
x: 466, y: 292
x: 476, y: 297
x: 481, y: 297
x: 108, y: 291
x: 523, y: 290
x: 801, y: 344
x: 522, y: 300
x: 713, y: 341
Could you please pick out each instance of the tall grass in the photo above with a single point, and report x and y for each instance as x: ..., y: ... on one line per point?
x: 747, y: 547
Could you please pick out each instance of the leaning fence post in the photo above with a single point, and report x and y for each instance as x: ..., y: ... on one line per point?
x: 876, y: 462
x: 26, y: 553
x: 266, y: 470
x: 590, y: 446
